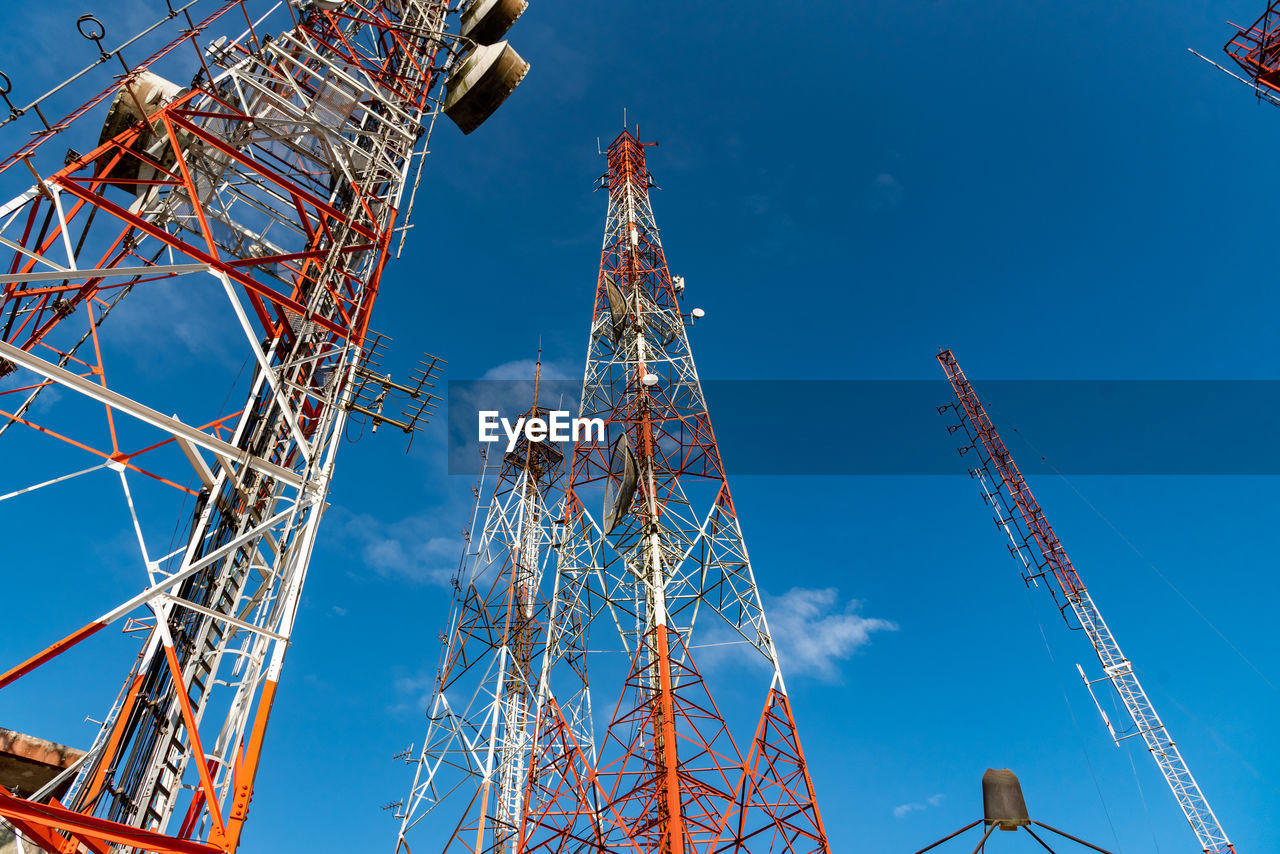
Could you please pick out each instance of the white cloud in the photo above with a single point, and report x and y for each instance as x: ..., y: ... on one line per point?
x: 903, y: 810
x: 885, y: 193
x: 814, y: 633
x: 26, y: 380
x: 522, y: 369
x: 410, y: 549
x: 160, y: 323
x: 413, y: 692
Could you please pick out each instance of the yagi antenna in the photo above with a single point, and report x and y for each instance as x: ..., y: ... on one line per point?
x: 374, y: 390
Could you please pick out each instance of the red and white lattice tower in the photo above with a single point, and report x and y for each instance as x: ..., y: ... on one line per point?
x: 651, y: 559
x: 276, y: 181
x: 471, y: 773
x: 1037, y: 548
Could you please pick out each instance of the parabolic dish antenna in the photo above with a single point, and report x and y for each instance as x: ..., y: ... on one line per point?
x: 617, y: 308
x: 621, y: 486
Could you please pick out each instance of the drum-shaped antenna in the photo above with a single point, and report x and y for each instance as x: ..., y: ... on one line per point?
x: 1002, y: 802
x: 621, y: 486
x: 480, y: 84
x: 487, y: 21
x: 617, y: 308
x: 135, y: 100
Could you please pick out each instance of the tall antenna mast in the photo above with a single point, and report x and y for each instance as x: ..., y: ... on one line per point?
x: 275, y: 183
x: 1042, y: 556
x: 651, y: 554
x: 471, y: 773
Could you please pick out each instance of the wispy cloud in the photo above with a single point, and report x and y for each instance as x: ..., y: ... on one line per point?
x: 564, y: 70
x: 412, y: 549
x: 26, y: 380
x: 413, y: 692
x: 522, y: 369
x: 903, y: 810
x: 814, y: 632
x: 187, y: 316
x: 885, y: 193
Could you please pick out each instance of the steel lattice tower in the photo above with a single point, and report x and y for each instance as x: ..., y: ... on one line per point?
x: 1041, y: 554
x: 650, y: 552
x: 279, y: 174
x: 471, y: 772
x: 647, y: 547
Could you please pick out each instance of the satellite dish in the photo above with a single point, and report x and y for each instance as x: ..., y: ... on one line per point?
x: 487, y: 21
x: 617, y: 307
x: 621, y: 486
x: 216, y: 50
x: 480, y: 83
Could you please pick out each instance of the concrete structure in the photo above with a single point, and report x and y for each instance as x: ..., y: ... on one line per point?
x: 26, y: 764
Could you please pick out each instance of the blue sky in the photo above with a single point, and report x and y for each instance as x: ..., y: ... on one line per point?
x: 1053, y: 191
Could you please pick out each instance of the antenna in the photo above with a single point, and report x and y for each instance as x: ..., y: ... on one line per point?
x: 620, y: 489
x: 1004, y: 808
x: 1020, y: 516
x: 649, y: 534
x: 491, y: 657
x: 373, y: 389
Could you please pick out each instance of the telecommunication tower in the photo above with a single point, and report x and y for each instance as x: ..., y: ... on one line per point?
x: 647, y: 548
x: 651, y: 558
x: 1041, y: 555
x: 471, y: 772
x: 278, y: 178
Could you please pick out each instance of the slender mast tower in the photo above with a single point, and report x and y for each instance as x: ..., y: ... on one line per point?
x: 651, y: 558
x: 278, y: 179
x: 471, y: 772
x: 1037, y: 548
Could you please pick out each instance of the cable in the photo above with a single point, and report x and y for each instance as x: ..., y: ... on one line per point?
x: 1097, y: 784
x: 1213, y: 734
x: 1142, y: 796
x: 1146, y: 560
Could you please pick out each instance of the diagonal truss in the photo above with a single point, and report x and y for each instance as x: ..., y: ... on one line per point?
x: 276, y: 181
x: 1036, y: 546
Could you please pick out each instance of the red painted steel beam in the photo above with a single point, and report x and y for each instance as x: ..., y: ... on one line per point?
x: 1063, y: 571
x: 78, y: 824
